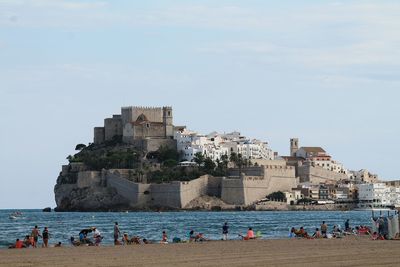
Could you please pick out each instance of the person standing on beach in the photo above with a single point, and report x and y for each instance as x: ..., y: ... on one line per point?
x: 35, y: 234
x: 116, y: 233
x: 225, y: 229
x: 324, y: 229
x: 347, y: 225
x: 45, y: 237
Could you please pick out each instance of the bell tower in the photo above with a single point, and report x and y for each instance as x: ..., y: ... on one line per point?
x: 294, y: 146
x: 168, y: 121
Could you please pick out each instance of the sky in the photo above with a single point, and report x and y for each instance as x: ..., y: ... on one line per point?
x: 327, y: 72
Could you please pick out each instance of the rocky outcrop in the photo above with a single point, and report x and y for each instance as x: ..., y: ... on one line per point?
x: 72, y: 198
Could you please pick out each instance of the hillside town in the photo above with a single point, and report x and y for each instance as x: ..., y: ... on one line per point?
x: 233, y: 169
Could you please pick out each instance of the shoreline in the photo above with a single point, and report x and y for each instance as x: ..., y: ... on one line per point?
x: 350, y: 251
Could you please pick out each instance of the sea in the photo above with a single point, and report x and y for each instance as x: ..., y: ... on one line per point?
x: 271, y: 224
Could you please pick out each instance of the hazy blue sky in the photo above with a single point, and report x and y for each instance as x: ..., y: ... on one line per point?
x: 327, y: 72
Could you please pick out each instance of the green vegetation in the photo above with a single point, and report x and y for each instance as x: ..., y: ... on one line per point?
x: 98, y: 159
x: 158, y: 166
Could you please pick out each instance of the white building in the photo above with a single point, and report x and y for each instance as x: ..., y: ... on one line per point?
x: 215, y: 145
x: 375, y: 195
x: 363, y: 176
x: 319, y: 158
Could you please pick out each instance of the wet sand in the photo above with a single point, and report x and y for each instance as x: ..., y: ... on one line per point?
x: 354, y: 251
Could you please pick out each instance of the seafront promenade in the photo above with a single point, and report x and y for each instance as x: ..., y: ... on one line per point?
x: 351, y: 251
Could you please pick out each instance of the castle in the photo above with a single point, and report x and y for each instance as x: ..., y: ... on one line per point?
x: 147, y: 128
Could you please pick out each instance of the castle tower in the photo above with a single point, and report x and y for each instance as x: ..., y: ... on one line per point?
x: 294, y: 146
x: 168, y: 121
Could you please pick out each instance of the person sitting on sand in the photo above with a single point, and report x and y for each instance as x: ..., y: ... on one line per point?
x: 18, y: 244
x: 27, y: 241
x: 125, y: 239
x: 249, y: 235
x: 200, y: 237
x: 135, y: 240
x: 302, y: 233
x: 292, y: 233
x: 317, y: 234
x: 377, y: 236
x: 145, y: 241
x: 58, y: 245
x: 192, y: 236
x: 164, y: 239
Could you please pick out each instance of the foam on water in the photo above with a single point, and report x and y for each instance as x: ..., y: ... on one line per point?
x: 63, y: 225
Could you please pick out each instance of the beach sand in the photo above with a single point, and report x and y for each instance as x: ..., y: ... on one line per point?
x: 352, y: 251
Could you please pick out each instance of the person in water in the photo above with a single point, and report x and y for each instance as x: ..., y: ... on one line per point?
x: 116, y: 233
x: 45, y: 237
x: 35, y: 233
x: 225, y: 229
x: 324, y: 229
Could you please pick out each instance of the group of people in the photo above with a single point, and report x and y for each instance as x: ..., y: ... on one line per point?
x: 124, y: 239
x: 32, y: 239
x: 336, y: 232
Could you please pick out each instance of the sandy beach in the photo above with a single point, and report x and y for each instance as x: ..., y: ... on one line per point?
x: 341, y: 252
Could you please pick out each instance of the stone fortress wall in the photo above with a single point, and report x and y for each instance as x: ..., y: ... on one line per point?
x: 243, y: 191
x: 256, y: 183
x: 316, y: 175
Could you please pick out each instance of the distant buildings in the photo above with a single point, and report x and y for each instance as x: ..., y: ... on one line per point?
x: 215, y: 145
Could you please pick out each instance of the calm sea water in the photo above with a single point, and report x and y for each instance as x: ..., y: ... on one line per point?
x: 63, y: 225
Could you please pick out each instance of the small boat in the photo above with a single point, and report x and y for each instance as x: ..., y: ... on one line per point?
x: 15, y: 215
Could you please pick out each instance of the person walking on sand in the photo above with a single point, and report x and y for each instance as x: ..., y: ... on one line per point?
x: 45, y: 237
x: 35, y: 234
x: 225, y: 229
x: 324, y: 229
x: 116, y: 233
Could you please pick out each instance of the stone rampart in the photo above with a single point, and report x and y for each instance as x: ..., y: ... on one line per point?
x: 135, y: 193
x: 316, y: 175
x: 250, y: 188
x: 214, y: 186
x: 193, y: 189
x: 232, y: 191
x: 88, y: 179
x: 166, y: 195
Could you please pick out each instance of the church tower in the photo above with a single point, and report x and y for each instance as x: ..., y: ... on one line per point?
x: 167, y: 121
x: 294, y: 146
